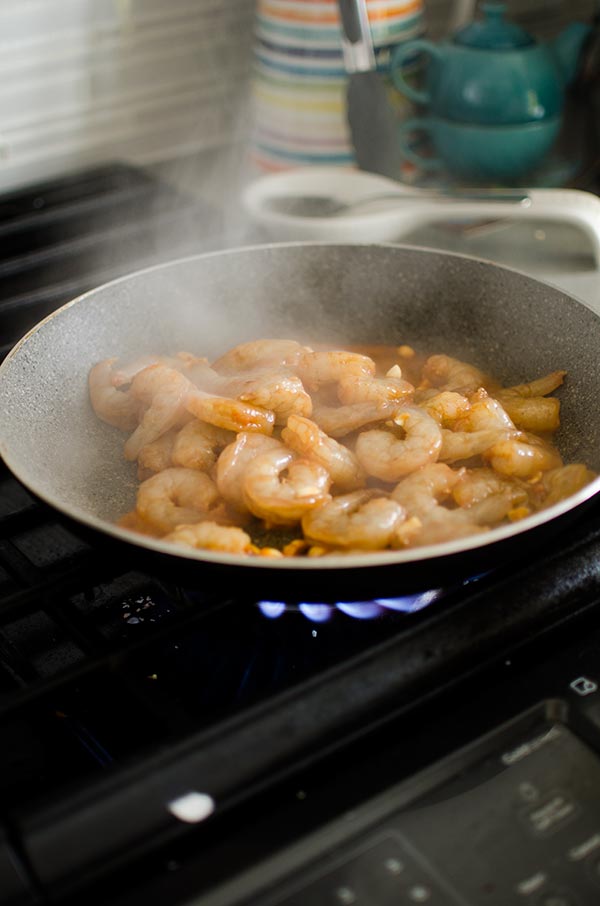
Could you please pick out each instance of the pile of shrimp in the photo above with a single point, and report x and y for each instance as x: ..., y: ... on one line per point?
x: 365, y: 448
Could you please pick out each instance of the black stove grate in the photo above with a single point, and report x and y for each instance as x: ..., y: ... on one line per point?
x: 64, y: 237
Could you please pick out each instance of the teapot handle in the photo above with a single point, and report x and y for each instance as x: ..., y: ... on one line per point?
x: 408, y: 128
x: 400, y: 56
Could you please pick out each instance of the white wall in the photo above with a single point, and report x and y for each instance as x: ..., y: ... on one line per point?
x: 85, y: 81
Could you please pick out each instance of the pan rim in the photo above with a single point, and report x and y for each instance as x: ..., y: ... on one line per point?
x: 330, y: 562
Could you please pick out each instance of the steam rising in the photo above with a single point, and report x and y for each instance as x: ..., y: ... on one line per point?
x: 184, y: 79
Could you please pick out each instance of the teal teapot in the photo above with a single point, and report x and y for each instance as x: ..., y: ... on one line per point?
x: 494, y: 95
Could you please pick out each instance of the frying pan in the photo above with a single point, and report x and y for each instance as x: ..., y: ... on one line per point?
x: 505, y: 322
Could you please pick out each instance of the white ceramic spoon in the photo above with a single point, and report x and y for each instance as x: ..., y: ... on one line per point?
x: 382, y: 221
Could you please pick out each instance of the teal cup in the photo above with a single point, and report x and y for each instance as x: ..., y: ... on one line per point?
x: 479, y: 151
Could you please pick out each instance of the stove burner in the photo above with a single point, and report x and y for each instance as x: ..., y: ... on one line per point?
x: 358, y: 610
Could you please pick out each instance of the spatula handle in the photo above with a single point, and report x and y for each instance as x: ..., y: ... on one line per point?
x: 357, y: 41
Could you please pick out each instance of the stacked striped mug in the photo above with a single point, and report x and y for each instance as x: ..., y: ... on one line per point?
x: 299, y: 82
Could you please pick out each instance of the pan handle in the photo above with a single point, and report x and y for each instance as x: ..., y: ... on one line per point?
x: 575, y: 206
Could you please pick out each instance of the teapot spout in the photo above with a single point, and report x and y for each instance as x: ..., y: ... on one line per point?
x: 567, y: 47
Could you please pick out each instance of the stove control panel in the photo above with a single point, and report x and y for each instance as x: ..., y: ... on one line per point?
x: 515, y: 819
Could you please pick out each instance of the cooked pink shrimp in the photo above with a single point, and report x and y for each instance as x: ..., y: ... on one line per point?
x: 365, y: 388
x: 176, y: 496
x: 441, y: 525
x: 539, y: 414
x: 280, y: 488
x: 233, y: 461
x: 446, y: 407
x: 125, y: 372
x: 423, y: 494
x: 156, y: 456
x: 233, y: 415
x: 452, y: 374
x: 339, y: 421
x: 564, y: 481
x: 489, y: 497
x: 475, y: 485
x: 331, y: 365
x: 212, y: 536
x: 163, y: 391
x: 197, y: 445
x: 522, y: 456
x: 260, y: 353
x: 111, y: 405
x: 461, y: 445
x: 305, y: 438
x: 280, y: 392
x: 134, y: 523
x: 385, y: 455
x: 539, y: 387
x: 424, y: 490
x: 484, y: 413
x: 362, y: 519
x: 484, y: 423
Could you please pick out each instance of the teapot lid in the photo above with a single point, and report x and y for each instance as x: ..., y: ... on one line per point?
x: 493, y: 32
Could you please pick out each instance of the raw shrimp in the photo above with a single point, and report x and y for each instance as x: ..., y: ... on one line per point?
x: 233, y: 461
x: 277, y: 391
x: 280, y: 488
x: 197, y: 445
x: 460, y: 445
x: 365, y: 388
x: 176, y: 496
x: 339, y: 421
x: 452, y: 374
x: 445, y: 407
x: 260, y: 353
x: 212, y: 536
x: 233, y: 415
x: 110, y: 404
x: 564, y: 481
x: 523, y: 456
x: 362, y: 519
x: 304, y: 437
x: 330, y: 365
x: 388, y: 457
x: 163, y: 391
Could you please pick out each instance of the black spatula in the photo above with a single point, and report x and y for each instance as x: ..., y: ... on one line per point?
x: 371, y: 117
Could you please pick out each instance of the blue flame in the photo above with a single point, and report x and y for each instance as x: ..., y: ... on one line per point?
x: 271, y: 609
x: 318, y: 613
x: 411, y: 603
x: 359, y: 610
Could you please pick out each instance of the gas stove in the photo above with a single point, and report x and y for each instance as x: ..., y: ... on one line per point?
x: 167, y: 743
